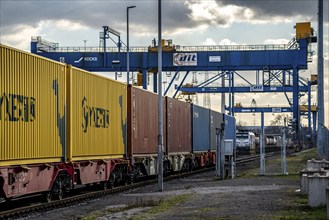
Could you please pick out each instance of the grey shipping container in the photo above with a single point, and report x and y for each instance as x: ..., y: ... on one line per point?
x: 216, y: 118
x: 142, y: 120
x: 201, y: 133
x: 179, y: 137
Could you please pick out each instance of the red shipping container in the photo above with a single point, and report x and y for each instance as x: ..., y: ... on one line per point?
x: 179, y: 123
x: 143, y: 122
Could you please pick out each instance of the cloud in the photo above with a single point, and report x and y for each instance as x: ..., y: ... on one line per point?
x: 68, y: 25
x: 276, y: 41
x: 269, y: 8
x: 22, y: 40
x: 213, y: 13
x: 177, y: 15
x: 227, y: 42
x: 94, y: 14
x: 209, y: 41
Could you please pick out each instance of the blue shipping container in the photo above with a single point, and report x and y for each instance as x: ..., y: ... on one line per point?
x: 216, y: 119
x: 201, y: 129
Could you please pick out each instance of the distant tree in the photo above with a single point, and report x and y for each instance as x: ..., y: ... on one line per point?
x: 280, y: 119
x: 241, y: 123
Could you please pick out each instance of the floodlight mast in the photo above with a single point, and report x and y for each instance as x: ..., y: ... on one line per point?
x: 128, y: 73
x: 160, y: 112
x: 322, y: 151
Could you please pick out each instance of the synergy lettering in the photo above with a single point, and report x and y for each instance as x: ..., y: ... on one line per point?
x: 94, y: 117
x: 15, y: 107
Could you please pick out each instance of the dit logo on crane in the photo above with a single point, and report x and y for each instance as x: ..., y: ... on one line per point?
x: 185, y: 59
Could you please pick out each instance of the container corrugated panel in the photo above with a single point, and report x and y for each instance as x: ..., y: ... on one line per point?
x: 97, y: 116
x: 230, y: 127
x: 216, y: 119
x: 201, y: 129
x: 32, y: 108
x: 142, y: 121
x: 179, y: 137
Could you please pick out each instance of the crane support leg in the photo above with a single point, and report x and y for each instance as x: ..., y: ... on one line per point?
x: 172, y: 80
x: 144, y: 79
x: 155, y: 85
x: 295, y: 102
x: 180, y: 85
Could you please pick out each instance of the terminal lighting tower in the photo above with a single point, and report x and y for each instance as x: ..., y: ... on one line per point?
x: 130, y: 7
x: 322, y: 152
x: 160, y: 112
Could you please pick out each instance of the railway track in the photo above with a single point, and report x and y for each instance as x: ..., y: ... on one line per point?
x: 8, y: 212
x: 255, y: 157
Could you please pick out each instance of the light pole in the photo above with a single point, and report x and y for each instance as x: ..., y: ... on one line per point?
x: 128, y: 42
x: 160, y: 112
x: 85, y: 42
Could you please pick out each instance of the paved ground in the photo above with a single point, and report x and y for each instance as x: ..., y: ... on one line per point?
x: 201, y: 197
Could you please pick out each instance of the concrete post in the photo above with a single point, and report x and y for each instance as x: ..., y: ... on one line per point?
x: 218, y: 160
x: 283, y: 152
x: 220, y: 157
x: 262, y: 147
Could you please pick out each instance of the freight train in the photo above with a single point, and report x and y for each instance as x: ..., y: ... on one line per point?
x: 273, y: 143
x: 62, y: 127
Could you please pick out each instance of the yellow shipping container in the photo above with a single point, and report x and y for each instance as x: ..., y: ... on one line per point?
x: 97, y: 116
x: 32, y: 108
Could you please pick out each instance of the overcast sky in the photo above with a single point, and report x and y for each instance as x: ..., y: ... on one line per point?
x: 187, y: 22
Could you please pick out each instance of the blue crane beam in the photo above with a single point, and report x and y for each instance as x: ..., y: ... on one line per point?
x: 269, y: 110
x: 262, y: 109
x: 226, y: 60
x: 240, y: 89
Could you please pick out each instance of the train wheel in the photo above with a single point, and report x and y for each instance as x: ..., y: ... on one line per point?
x: 111, y: 181
x: 58, y: 187
x: 104, y: 185
x: 131, y: 179
x: 60, y: 193
x: 195, y: 164
x: 48, y: 196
